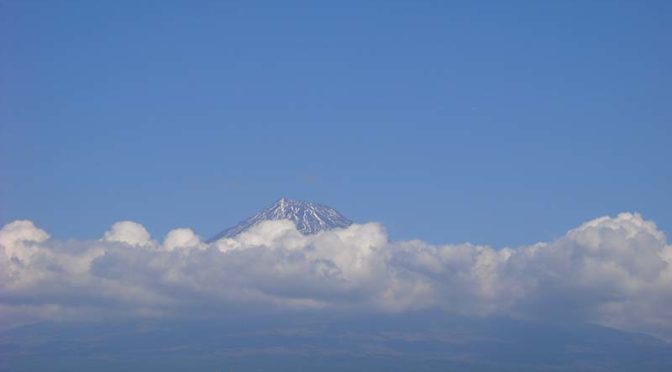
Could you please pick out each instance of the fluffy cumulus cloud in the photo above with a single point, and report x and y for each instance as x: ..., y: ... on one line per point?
x: 614, y: 271
x: 181, y: 239
x: 128, y: 232
x: 18, y: 238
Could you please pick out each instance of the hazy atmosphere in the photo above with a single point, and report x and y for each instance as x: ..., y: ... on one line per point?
x: 397, y: 186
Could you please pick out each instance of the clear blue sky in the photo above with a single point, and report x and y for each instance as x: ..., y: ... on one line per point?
x: 493, y: 122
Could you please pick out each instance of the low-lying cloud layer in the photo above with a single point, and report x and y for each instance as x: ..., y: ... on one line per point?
x: 611, y: 271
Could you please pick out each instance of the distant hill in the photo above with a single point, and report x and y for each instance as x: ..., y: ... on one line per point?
x: 424, y: 341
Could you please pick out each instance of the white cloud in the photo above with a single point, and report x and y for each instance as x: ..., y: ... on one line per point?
x: 128, y: 232
x: 613, y: 271
x: 180, y: 239
x: 17, y: 238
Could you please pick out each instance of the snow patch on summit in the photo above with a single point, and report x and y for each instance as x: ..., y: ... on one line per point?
x: 309, y: 218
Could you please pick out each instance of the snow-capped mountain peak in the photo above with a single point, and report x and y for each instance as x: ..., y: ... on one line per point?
x: 309, y: 218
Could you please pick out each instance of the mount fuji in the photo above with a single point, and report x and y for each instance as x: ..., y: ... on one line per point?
x: 309, y: 218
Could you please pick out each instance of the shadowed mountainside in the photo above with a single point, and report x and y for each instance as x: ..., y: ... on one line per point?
x: 294, y: 342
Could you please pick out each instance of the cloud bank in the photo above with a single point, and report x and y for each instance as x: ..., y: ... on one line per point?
x: 614, y: 271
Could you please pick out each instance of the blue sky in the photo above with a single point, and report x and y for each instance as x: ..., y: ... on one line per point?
x: 501, y: 123
x: 492, y: 123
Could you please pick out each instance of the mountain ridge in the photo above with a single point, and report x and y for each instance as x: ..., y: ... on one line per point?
x: 308, y: 217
